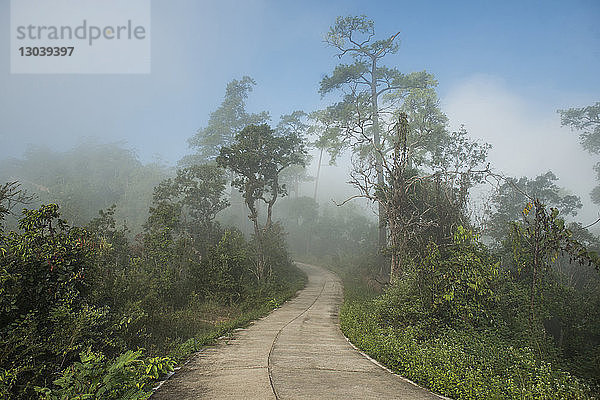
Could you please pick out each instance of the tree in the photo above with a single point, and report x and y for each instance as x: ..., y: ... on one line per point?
x: 586, y: 120
x: 413, y: 200
x: 507, y: 203
x: 223, y: 124
x: 461, y: 280
x: 197, y: 192
x: 370, y: 91
x: 538, y: 240
x: 256, y: 158
x: 10, y: 195
x: 44, y: 319
x: 294, y: 124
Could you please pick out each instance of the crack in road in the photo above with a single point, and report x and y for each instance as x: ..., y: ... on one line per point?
x: 269, y: 368
x: 296, y: 352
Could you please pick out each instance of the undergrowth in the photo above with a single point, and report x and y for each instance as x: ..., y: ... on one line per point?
x: 455, y: 363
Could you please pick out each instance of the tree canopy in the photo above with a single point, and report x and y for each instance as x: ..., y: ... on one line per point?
x: 224, y: 123
x: 586, y: 120
x: 510, y: 198
x: 372, y: 95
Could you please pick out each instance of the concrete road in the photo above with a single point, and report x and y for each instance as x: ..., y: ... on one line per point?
x: 296, y: 352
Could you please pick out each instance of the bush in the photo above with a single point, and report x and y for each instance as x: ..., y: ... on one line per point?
x: 44, y: 317
x: 94, y: 377
x: 79, y: 304
x: 460, y: 281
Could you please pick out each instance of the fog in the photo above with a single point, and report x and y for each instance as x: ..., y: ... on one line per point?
x: 161, y: 188
x: 503, y: 71
x: 526, y: 135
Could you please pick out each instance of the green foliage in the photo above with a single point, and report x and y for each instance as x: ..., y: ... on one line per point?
x: 68, y: 291
x: 224, y: 123
x: 461, y: 280
x: 373, y: 87
x: 572, y: 319
x: 226, y: 269
x: 458, y: 324
x: 94, y: 377
x: 507, y: 203
x: 87, y: 178
x: 325, y: 233
x: 256, y: 159
x: 368, y: 89
x: 456, y: 285
x: 537, y: 242
x: 587, y: 121
x: 547, y: 234
x: 459, y: 364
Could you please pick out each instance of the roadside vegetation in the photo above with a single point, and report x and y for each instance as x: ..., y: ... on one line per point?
x: 116, y: 271
x: 97, y: 311
x: 88, y: 313
x: 457, y: 323
x: 500, y: 304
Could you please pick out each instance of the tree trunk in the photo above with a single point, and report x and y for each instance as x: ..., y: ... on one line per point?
x: 397, y: 247
x: 260, y: 257
x: 275, y: 193
x: 378, y: 162
x: 238, y: 204
x: 318, y: 172
x: 536, y: 256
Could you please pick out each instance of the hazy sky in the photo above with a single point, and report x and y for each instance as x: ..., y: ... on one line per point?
x: 504, y: 69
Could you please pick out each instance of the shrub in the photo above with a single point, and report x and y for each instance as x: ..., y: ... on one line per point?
x: 94, y: 377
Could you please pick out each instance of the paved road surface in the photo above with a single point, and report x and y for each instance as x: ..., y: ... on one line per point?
x: 296, y: 352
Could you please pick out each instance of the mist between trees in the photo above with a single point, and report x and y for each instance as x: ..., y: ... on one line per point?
x: 499, y: 303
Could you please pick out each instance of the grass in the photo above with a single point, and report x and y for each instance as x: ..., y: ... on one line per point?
x: 218, y: 321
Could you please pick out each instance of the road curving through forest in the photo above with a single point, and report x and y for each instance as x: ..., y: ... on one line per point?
x: 296, y: 352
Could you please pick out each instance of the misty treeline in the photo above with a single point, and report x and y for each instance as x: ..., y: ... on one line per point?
x: 499, y: 304
x: 98, y: 311
x: 94, y: 311
x: 116, y: 270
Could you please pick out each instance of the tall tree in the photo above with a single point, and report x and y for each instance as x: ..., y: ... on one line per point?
x: 370, y: 90
x: 586, y: 120
x: 415, y: 201
x: 538, y: 241
x: 294, y: 124
x: 224, y: 123
x: 256, y: 158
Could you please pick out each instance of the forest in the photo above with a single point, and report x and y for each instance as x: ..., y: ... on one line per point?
x: 113, y: 271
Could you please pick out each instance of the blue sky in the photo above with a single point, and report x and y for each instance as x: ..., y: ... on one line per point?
x: 509, y: 62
